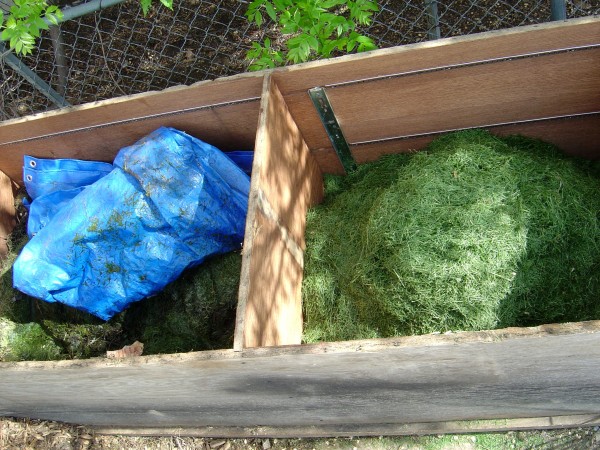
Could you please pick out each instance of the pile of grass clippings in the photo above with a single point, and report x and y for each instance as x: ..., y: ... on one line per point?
x: 195, y: 312
x: 475, y: 232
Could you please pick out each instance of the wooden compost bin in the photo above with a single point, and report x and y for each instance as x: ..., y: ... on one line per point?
x: 541, y: 81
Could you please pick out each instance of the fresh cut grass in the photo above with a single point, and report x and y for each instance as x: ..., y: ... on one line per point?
x: 475, y: 232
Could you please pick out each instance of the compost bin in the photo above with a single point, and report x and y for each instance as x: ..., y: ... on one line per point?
x: 541, y: 81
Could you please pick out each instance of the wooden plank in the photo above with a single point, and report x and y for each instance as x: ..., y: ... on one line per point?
x: 134, y: 106
x: 272, y: 312
x: 472, y: 96
x: 285, y: 181
x: 7, y: 212
x: 296, y: 80
x: 503, y: 374
x: 97, y: 131
x: 289, y: 176
x: 575, y: 136
x: 230, y: 127
x: 455, y: 50
x: 467, y: 97
x: 369, y: 429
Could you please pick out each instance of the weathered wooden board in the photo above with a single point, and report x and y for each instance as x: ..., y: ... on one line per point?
x: 289, y: 176
x: 512, y: 373
x: 470, y: 96
x: 577, y: 136
x: 271, y: 313
x: 373, y: 429
x: 456, y: 50
x: 223, y: 113
x: 285, y: 182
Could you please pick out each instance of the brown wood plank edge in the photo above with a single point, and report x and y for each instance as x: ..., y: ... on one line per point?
x: 285, y: 182
x: 296, y: 80
x: 222, y: 113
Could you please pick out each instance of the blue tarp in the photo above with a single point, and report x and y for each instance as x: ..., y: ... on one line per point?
x: 169, y: 202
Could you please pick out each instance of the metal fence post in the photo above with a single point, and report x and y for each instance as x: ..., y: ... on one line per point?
x: 60, y: 58
x: 558, y: 10
x: 433, y: 19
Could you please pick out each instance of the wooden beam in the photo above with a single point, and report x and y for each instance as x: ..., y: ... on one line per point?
x: 285, y: 182
x: 503, y: 374
x: 223, y: 113
x: 578, y: 136
x: 472, y: 96
x: 423, y: 55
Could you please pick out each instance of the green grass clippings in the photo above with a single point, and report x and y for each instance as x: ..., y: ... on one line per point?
x: 475, y: 232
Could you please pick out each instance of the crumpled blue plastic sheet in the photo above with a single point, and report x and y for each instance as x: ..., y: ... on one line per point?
x: 45, y: 176
x: 53, y: 183
x: 169, y: 202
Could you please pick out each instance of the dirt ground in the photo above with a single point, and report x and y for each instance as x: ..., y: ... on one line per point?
x: 44, y: 435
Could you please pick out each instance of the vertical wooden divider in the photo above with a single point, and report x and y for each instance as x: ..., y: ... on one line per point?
x: 286, y: 180
x: 7, y: 212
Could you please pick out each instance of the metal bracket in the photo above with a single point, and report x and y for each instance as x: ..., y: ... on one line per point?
x: 334, y: 131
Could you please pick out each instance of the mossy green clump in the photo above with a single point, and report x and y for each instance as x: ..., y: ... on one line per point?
x: 476, y: 232
x: 26, y: 342
x: 196, y: 312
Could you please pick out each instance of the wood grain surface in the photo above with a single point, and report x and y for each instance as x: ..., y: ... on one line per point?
x: 285, y: 182
x: 97, y: 131
x: 369, y: 429
x: 576, y: 136
x: 471, y: 96
x: 512, y: 373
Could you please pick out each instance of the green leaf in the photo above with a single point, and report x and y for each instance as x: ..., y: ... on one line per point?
x: 278, y: 57
x: 281, y: 5
x: 312, y: 42
x: 366, y: 46
x: 294, y: 55
x: 145, y: 6
x: 327, y: 4
x: 267, y: 43
x: 167, y: 3
x: 52, y: 18
x: 271, y: 11
x: 258, y: 18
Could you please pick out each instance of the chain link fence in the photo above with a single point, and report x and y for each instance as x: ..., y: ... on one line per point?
x: 117, y: 51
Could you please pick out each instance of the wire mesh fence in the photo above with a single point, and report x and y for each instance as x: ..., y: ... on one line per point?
x: 119, y: 51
